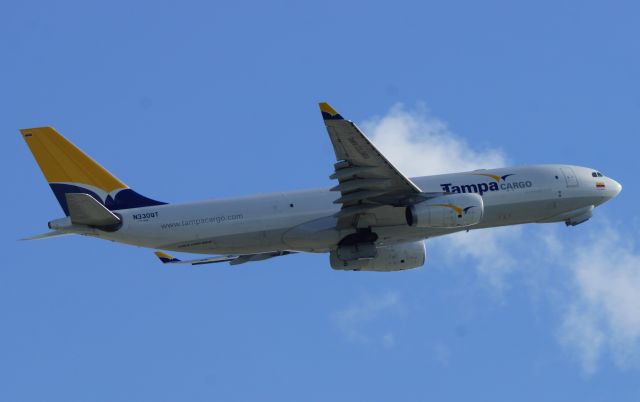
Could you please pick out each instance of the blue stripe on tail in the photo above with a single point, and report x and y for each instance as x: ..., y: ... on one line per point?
x: 124, y: 199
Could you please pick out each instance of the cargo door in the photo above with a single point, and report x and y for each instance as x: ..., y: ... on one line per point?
x: 569, y: 176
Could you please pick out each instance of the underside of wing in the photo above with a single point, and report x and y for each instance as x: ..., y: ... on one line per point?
x: 366, y: 178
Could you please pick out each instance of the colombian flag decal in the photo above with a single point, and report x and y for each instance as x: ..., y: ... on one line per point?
x: 600, y: 184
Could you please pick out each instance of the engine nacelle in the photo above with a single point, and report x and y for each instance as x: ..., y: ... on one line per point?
x: 395, y: 257
x: 61, y: 224
x: 446, y: 211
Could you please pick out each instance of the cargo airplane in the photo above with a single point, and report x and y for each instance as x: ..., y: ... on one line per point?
x: 374, y: 219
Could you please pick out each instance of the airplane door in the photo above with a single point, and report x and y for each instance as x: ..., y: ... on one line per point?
x: 569, y: 176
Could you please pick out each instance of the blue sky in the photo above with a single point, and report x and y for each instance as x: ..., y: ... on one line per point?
x: 195, y: 100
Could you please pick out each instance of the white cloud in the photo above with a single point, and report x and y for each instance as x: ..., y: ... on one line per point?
x: 488, y: 248
x: 604, y: 314
x: 356, y: 320
x: 600, y: 313
x: 419, y: 144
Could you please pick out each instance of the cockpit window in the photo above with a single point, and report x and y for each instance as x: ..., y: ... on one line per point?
x: 594, y: 174
x: 599, y: 174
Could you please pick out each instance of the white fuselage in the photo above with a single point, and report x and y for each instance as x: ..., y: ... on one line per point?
x: 303, y: 220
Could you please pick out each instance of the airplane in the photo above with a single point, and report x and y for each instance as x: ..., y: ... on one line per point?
x: 374, y: 219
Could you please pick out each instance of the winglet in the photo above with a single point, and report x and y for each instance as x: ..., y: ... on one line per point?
x: 329, y: 113
x: 166, y: 258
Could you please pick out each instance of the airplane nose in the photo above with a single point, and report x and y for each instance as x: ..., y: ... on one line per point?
x: 615, y: 188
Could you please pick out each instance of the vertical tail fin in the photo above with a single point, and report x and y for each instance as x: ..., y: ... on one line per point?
x: 69, y: 170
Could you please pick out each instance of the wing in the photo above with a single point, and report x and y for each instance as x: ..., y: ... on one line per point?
x: 231, y: 259
x: 366, y: 179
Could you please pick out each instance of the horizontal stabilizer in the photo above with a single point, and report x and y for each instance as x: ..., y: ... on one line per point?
x: 169, y: 259
x: 47, y: 235
x: 231, y: 259
x: 86, y: 210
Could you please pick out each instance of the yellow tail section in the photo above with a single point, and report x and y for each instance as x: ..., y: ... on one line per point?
x: 63, y: 162
x: 69, y: 170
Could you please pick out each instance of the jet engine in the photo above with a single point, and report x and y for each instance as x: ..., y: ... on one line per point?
x: 446, y: 211
x: 395, y: 257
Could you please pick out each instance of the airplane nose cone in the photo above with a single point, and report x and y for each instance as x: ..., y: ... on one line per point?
x: 615, y: 188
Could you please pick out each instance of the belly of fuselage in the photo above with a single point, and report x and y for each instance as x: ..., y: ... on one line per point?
x: 289, y: 238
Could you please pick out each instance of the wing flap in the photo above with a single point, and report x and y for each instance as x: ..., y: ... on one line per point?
x: 358, y: 195
x: 354, y: 184
x: 349, y: 172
